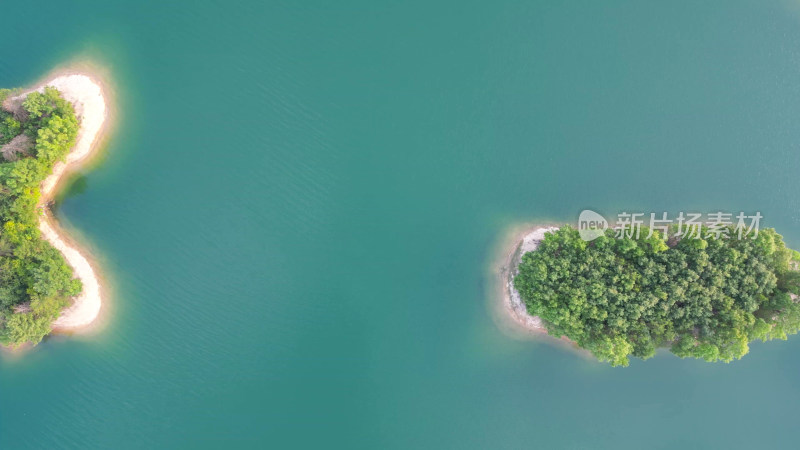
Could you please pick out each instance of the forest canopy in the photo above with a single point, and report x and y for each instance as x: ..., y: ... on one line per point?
x: 35, y: 281
x: 628, y: 296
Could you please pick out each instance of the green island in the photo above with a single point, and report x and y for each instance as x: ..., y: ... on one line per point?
x: 701, y: 298
x: 36, y: 282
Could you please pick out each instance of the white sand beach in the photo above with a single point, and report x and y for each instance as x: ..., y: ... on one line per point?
x: 86, y: 95
x: 512, y: 301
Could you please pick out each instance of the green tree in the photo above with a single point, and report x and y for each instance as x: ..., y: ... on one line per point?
x: 702, y: 298
x: 35, y: 281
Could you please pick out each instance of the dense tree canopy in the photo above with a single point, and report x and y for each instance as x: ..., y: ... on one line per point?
x: 35, y: 281
x: 703, y: 298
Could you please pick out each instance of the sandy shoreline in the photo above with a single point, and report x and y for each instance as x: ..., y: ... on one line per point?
x: 86, y: 95
x: 512, y: 302
x: 506, y: 304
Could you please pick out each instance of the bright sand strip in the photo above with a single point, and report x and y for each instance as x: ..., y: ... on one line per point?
x: 512, y: 301
x: 86, y: 95
x: 513, y: 307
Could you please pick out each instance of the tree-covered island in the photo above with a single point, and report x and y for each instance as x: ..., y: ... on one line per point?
x: 35, y: 281
x: 701, y: 298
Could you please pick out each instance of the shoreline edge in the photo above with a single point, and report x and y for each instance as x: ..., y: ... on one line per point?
x: 86, y: 93
x: 513, y: 306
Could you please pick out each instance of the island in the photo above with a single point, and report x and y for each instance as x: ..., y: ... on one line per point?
x: 617, y: 297
x: 46, y: 282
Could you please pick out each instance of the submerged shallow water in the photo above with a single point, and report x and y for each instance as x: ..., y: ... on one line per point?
x: 299, y: 205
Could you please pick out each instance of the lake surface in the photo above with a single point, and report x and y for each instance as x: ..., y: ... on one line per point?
x: 299, y: 205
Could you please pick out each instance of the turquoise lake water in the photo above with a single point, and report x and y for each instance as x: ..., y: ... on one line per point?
x: 299, y: 205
